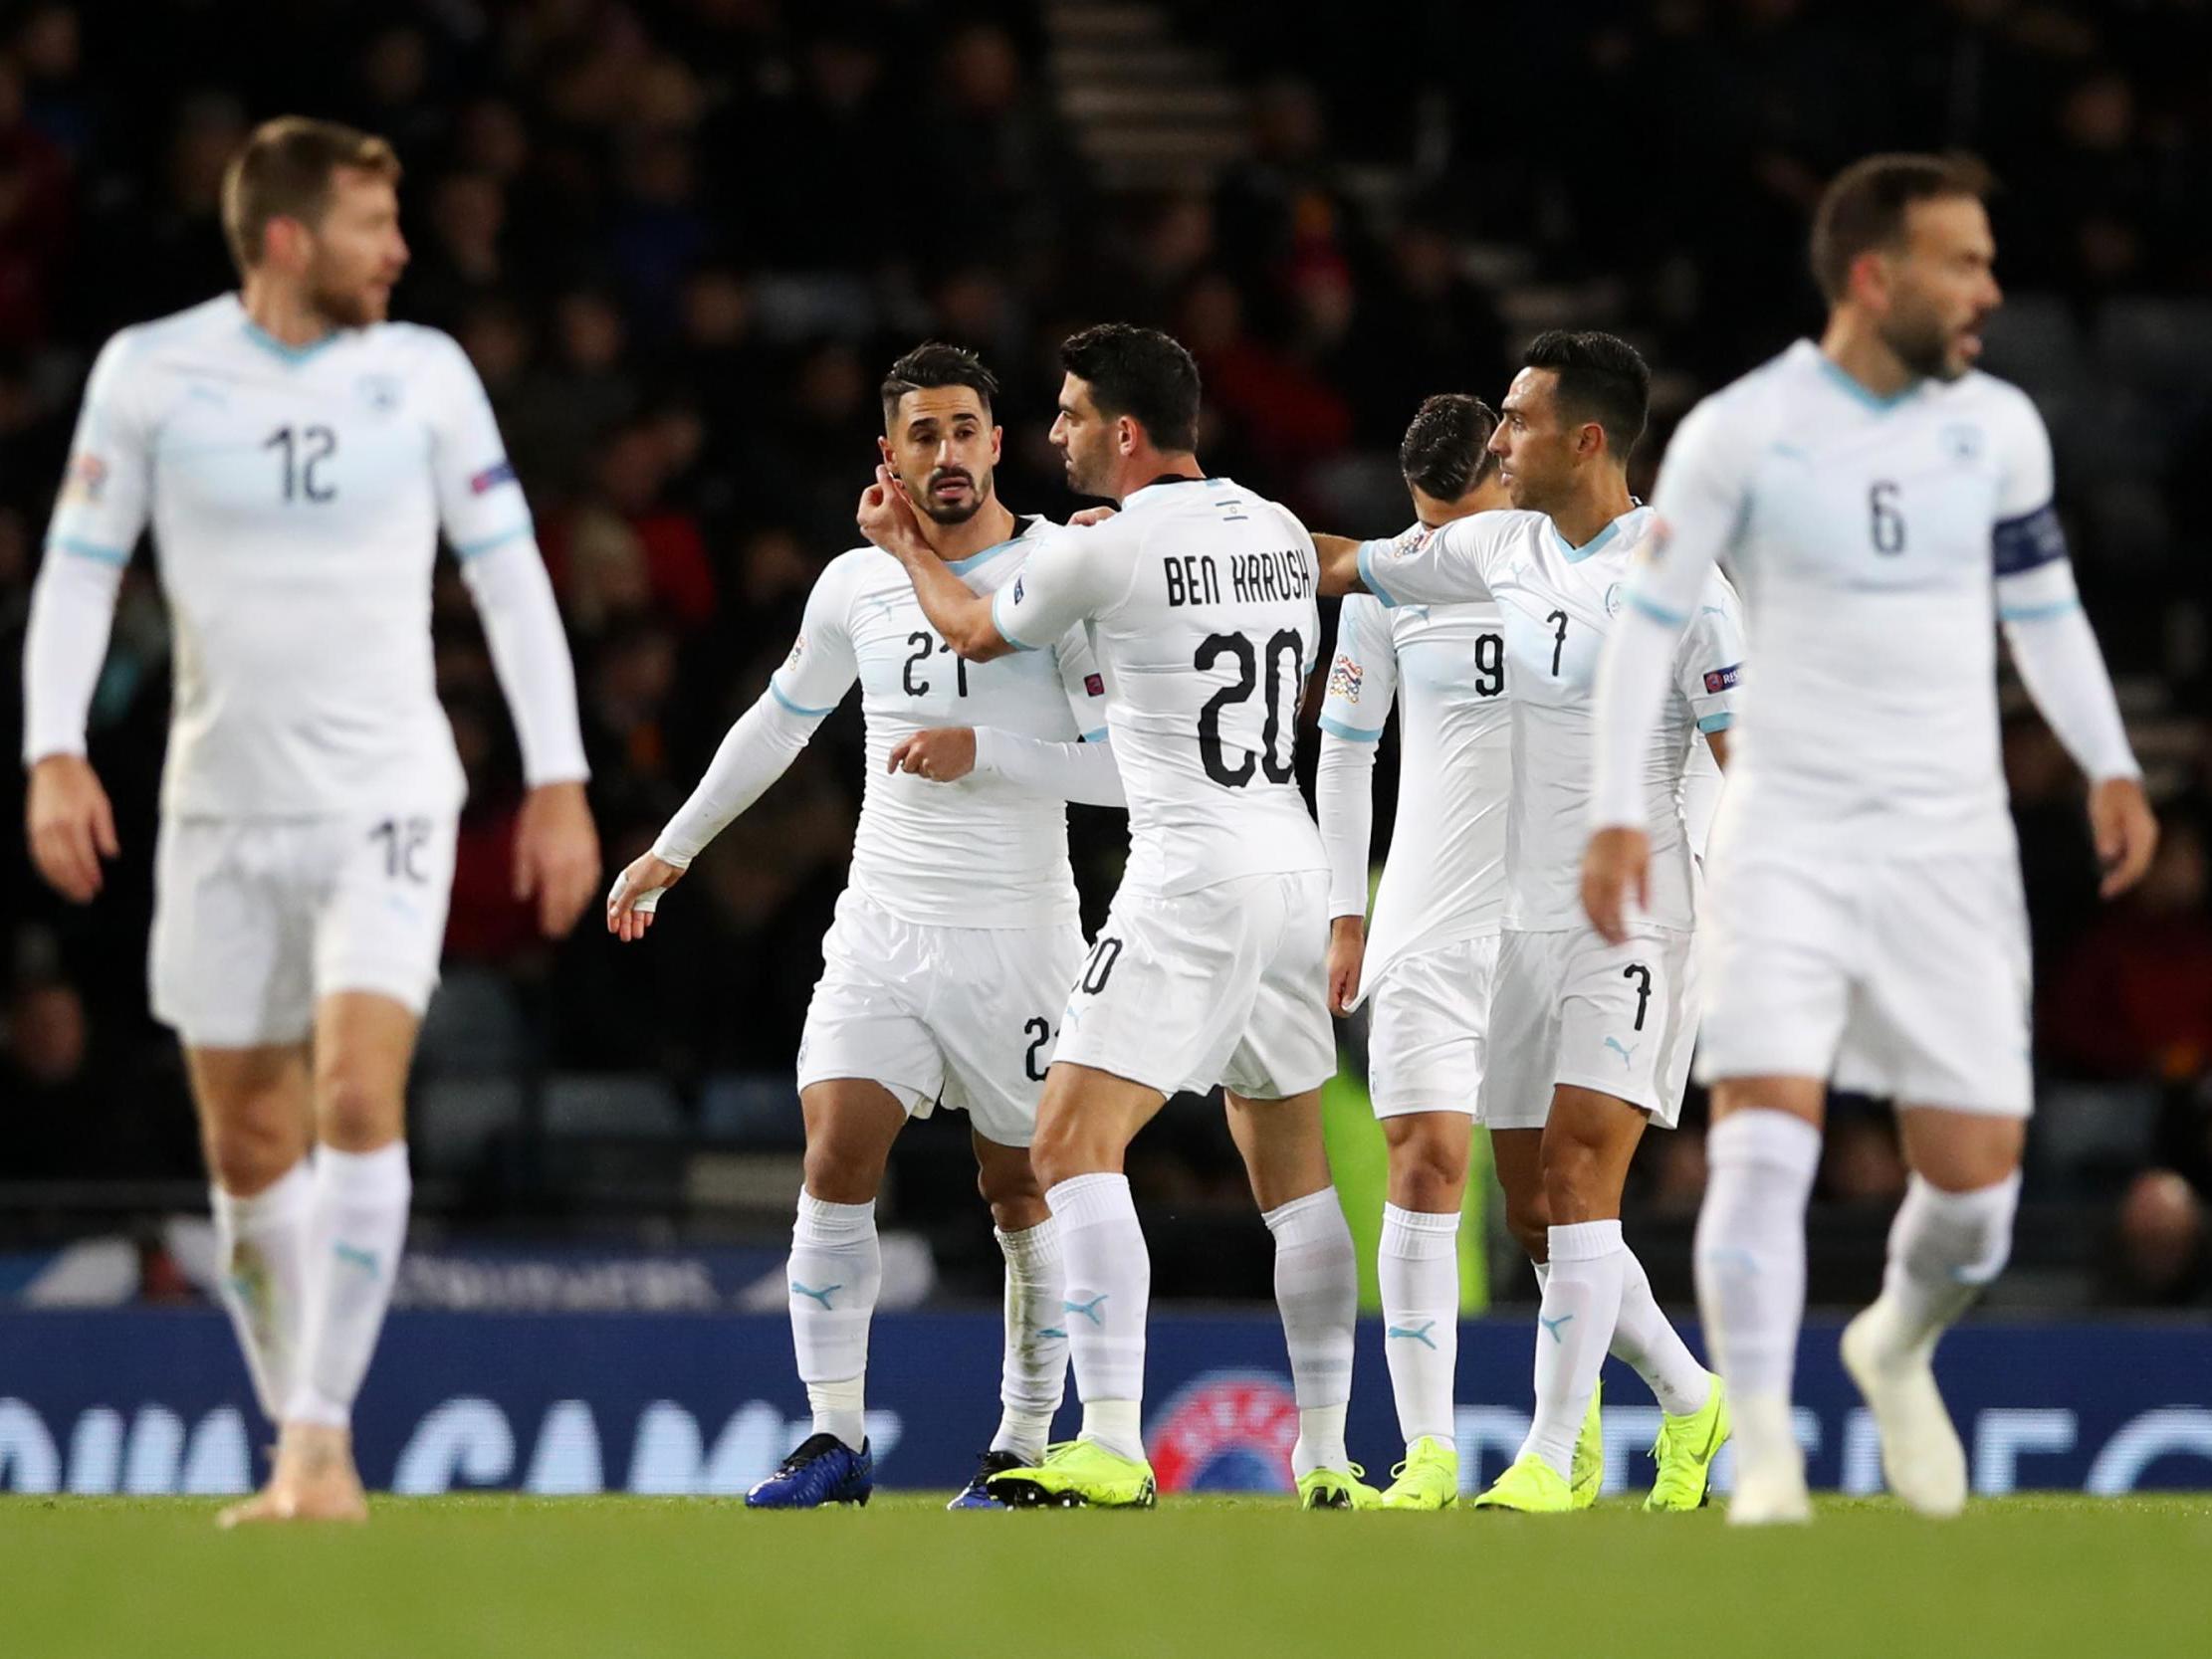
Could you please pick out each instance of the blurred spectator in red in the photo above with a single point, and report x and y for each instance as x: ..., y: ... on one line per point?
x: 2135, y: 996
x: 34, y: 214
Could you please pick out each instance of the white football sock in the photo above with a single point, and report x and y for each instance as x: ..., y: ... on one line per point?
x: 1582, y: 1299
x: 1108, y: 1292
x: 835, y: 1270
x: 1645, y: 1340
x: 262, y: 1248
x: 1036, y: 1367
x: 1418, y: 1264
x: 1944, y: 1247
x: 1318, y: 1292
x: 1750, y: 1260
x: 360, y: 1224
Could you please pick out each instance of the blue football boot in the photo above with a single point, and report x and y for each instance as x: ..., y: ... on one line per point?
x: 825, y: 1470
x: 975, y: 1495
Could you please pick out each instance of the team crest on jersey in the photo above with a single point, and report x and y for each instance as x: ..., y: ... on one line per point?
x: 1963, y: 443
x: 1345, y: 676
x: 1613, y: 601
x: 798, y: 650
x: 381, y: 392
x: 87, y: 479
x: 1017, y: 590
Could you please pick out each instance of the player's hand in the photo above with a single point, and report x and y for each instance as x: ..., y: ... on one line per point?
x: 2126, y: 832
x: 1347, y: 951
x: 887, y: 519
x: 70, y: 825
x: 1091, y: 515
x: 945, y: 755
x: 1616, y: 868
x: 636, y: 896
x: 556, y: 854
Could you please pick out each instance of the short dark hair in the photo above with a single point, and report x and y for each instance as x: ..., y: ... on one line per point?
x: 1141, y: 373
x: 1602, y: 378
x: 1864, y: 206
x: 932, y: 364
x: 1447, y: 449
x: 285, y: 173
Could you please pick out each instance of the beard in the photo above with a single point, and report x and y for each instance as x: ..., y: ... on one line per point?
x: 943, y: 513
x: 1924, y: 348
x: 345, y: 308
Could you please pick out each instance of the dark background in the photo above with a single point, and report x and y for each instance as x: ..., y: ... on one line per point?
x: 682, y: 241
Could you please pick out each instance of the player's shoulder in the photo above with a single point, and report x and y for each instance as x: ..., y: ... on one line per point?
x: 1998, y: 402
x: 1753, y: 398
x: 416, y: 345
x: 197, y: 324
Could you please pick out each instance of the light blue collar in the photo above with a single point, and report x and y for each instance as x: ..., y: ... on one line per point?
x: 961, y: 566
x: 1844, y: 381
x: 288, y: 354
x: 1597, y: 544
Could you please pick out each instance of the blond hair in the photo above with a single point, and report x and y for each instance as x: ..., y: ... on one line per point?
x: 285, y: 173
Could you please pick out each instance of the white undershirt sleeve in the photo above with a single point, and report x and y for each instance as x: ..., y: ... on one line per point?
x: 1344, y: 805
x: 73, y: 606
x: 1083, y: 772
x: 2058, y: 661
x: 530, y: 653
x: 755, y: 752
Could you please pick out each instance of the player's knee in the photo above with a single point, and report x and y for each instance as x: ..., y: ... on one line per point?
x: 248, y: 1150
x: 354, y: 1113
x: 1015, y: 1194
x: 1573, y: 1178
x: 1530, y: 1225
x: 1428, y: 1173
x: 839, y: 1174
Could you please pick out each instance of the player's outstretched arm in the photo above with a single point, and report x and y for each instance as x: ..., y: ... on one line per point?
x: 753, y: 753
x: 961, y: 615
x: 1081, y: 772
x: 1340, y: 565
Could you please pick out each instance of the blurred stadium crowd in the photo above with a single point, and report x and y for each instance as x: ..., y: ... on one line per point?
x: 681, y: 240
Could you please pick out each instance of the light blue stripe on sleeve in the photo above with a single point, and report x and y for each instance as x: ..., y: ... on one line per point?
x: 999, y: 602
x: 1337, y: 728
x: 484, y: 544
x: 1657, y: 613
x: 776, y: 691
x: 1367, y: 572
x: 2037, y: 613
x: 1716, y: 723
x: 118, y: 556
x: 1098, y: 737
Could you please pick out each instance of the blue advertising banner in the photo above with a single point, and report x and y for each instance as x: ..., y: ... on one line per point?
x: 148, y: 1400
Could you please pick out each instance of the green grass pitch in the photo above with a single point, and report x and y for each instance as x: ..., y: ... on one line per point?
x: 638, y: 1579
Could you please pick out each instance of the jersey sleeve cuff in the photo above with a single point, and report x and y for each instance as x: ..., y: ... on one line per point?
x: 1337, y: 728
x: 83, y: 549
x: 485, y: 543
x: 1709, y: 724
x: 1001, y: 602
x: 1367, y: 550
x: 803, y: 712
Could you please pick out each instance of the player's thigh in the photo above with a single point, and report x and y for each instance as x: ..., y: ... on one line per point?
x: 1288, y: 1043
x: 1780, y: 947
x: 1628, y: 1020
x: 851, y: 1123
x: 865, y: 1020
x: 1942, y: 1016
x: 1524, y: 1040
x: 993, y: 1004
x: 1166, y: 990
x: 365, y: 1042
x: 230, y: 956
x: 380, y: 922
x: 1086, y: 1119
x: 1429, y: 1014
x: 1280, y: 1138
x: 256, y: 1110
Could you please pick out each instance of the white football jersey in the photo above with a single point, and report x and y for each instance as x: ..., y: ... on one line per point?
x: 1444, y: 667
x: 982, y: 852
x: 1862, y: 531
x: 1198, y: 596
x: 1559, y: 603
x: 296, y: 498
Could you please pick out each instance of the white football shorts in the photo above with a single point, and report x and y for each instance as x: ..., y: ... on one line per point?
x: 1568, y: 1007
x: 959, y: 1017
x: 1907, y: 978
x: 1228, y: 984
x: 256, y: 919
x: 1428, y: 1027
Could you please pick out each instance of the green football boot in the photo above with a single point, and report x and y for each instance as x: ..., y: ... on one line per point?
x: 1337, y: 1489
x: 1684, y: 1451
x: 1078, y: 1474
x: 1589, y: 1465
x: 1531, y: 1487
x: 1428, y: 1478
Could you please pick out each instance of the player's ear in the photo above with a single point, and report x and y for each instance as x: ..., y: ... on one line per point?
x: 883, y: 448
x: 998, y: 443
